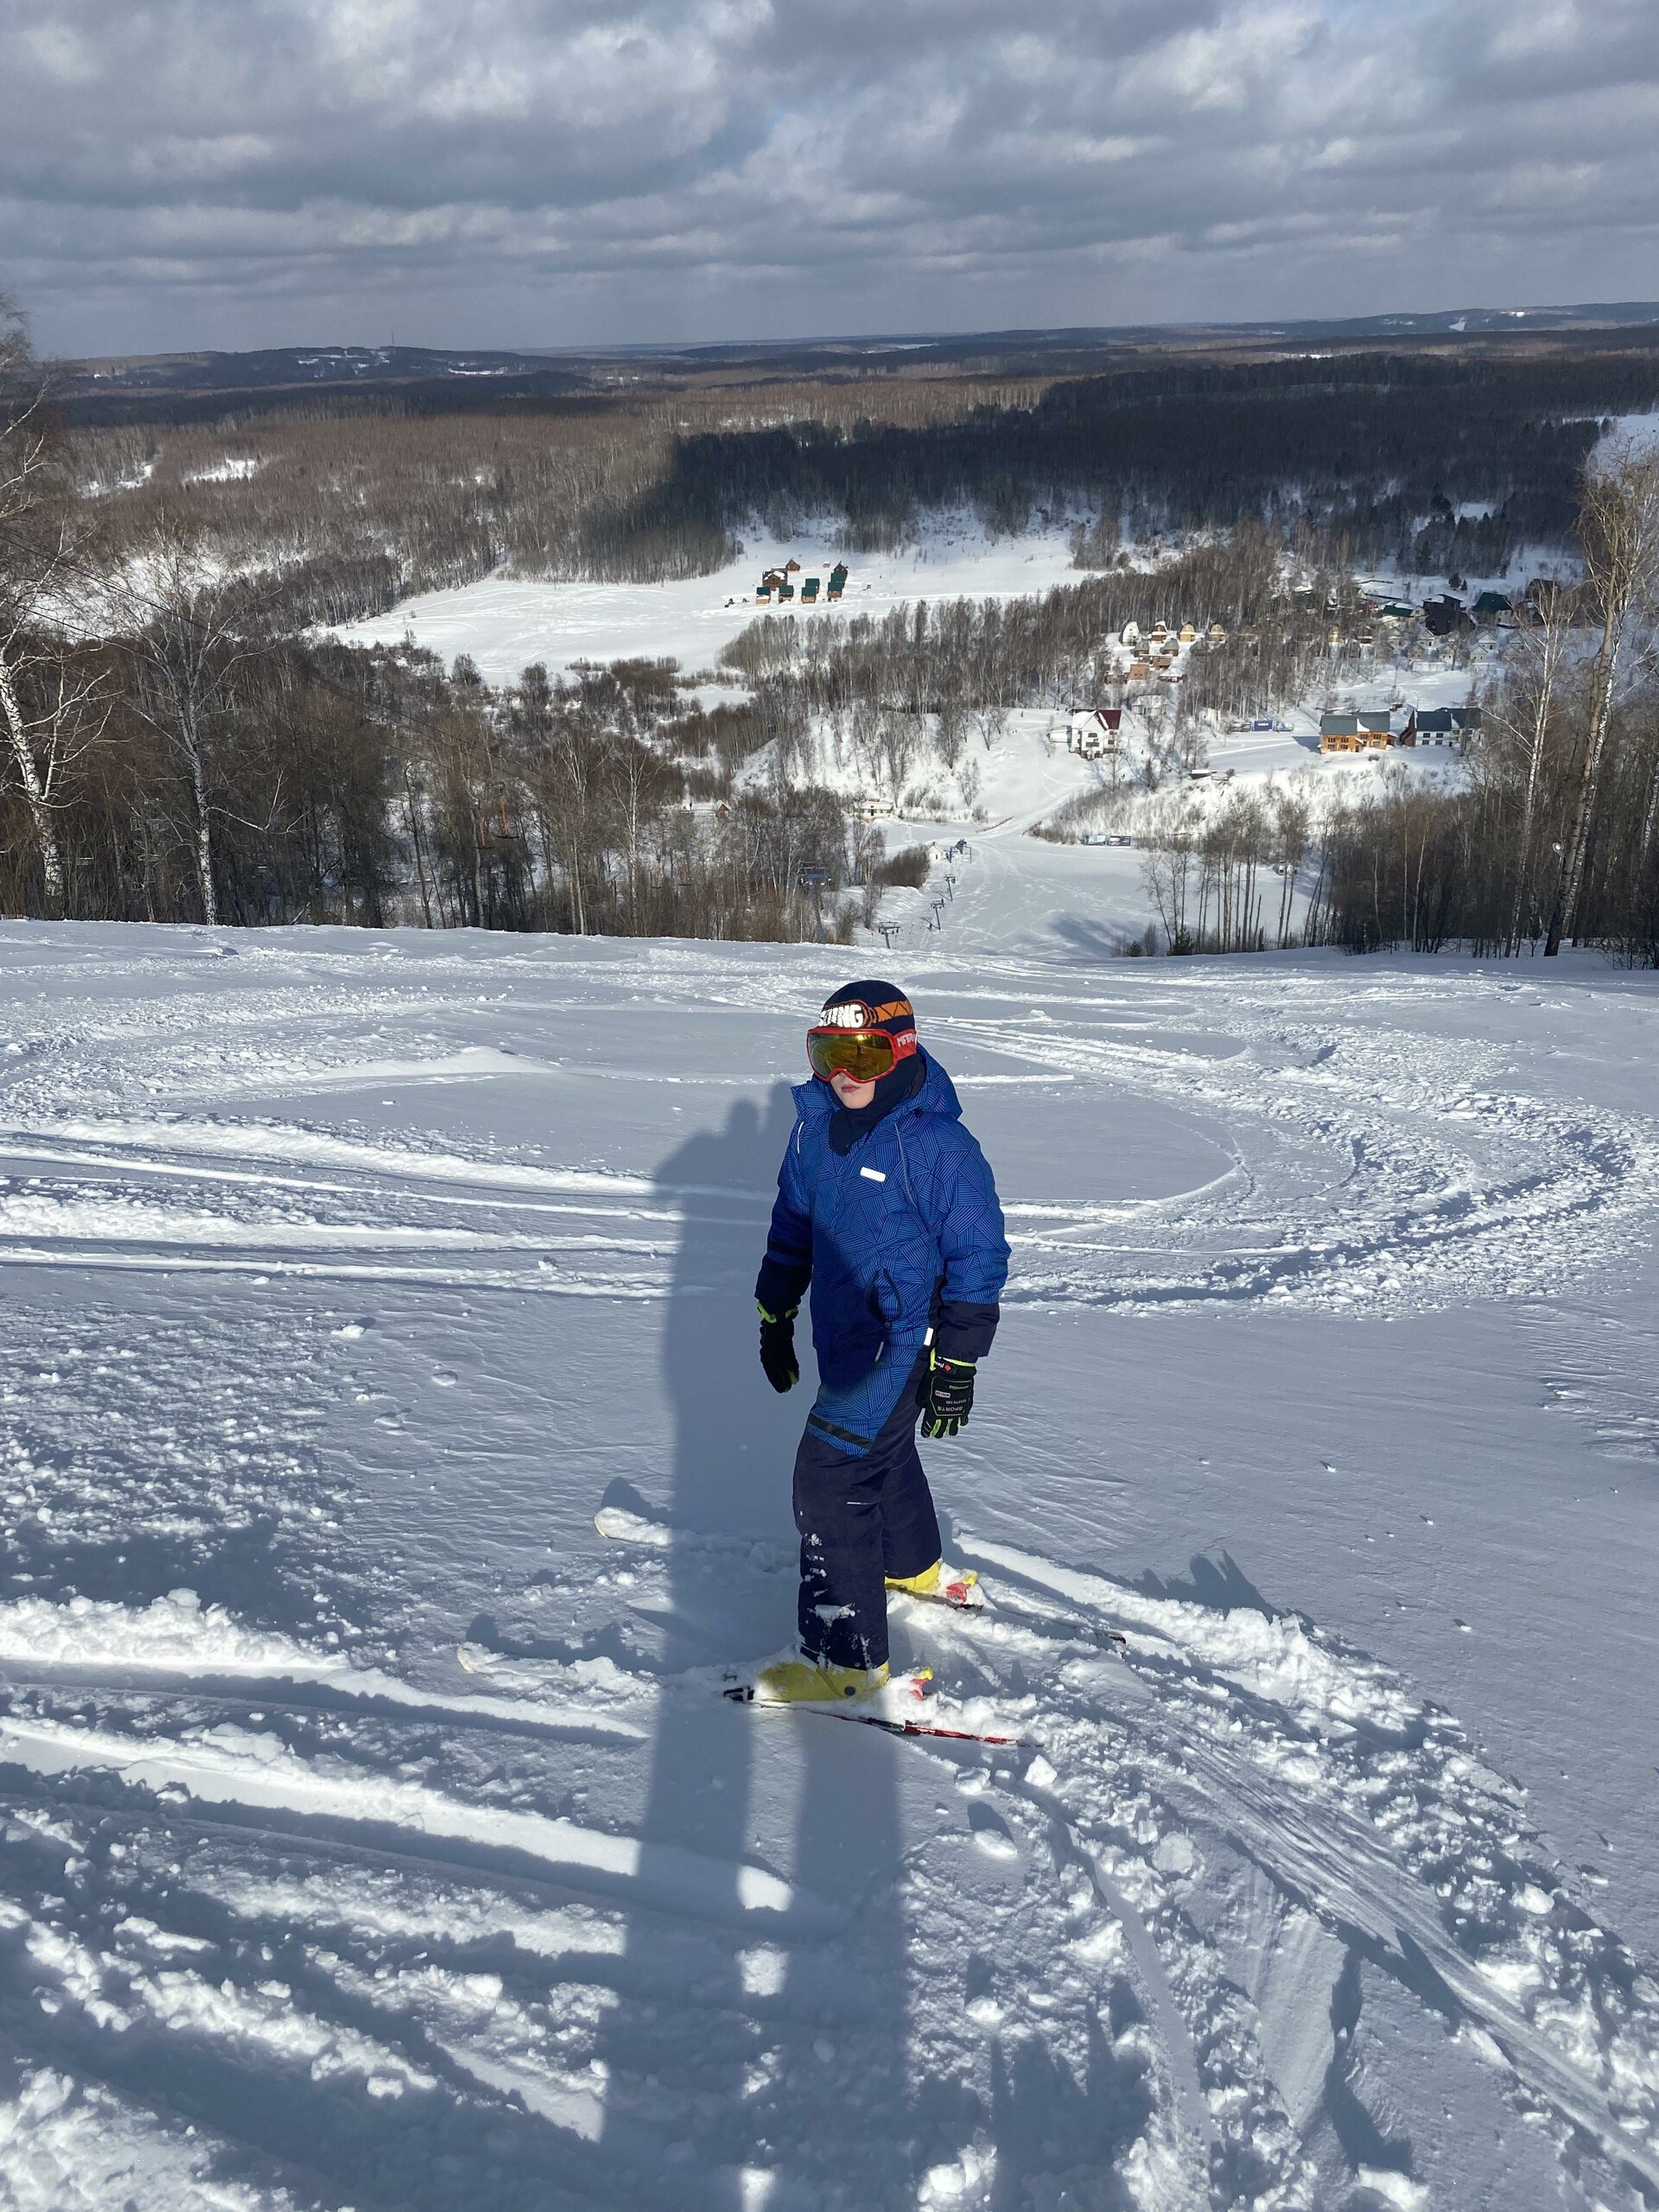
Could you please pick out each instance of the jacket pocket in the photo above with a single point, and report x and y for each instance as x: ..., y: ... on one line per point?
x: 883, y: 1300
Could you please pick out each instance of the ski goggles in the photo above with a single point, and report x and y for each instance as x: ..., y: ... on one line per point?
x: 847, y: 1043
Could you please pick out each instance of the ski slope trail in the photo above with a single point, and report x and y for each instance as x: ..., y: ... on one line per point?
x: 1364, y: 1159
x: 347, y: 1275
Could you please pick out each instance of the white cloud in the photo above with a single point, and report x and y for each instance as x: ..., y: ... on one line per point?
x: 59, y: 53
x: 545, y: 171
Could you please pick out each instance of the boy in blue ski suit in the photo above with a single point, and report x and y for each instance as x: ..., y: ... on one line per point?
x: 886, y: 1205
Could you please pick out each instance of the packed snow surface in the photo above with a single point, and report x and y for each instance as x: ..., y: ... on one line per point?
x: 1312, y: 1486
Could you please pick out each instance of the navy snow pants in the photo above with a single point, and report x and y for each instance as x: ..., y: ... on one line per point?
x: 860, y: 1521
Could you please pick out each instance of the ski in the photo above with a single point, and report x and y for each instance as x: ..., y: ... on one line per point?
x: 890, y: 1710
x: 886, y: 1711
x: 958, y: 1587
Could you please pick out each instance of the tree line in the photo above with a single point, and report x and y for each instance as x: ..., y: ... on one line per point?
x: 1438, y: 465
x: 1441, y: 466
x: 180, y: 744
x: 178, y: 749
x: 236, y: 778
x: 354, y: 507
x: 1552, y: 834
x: 1556, y: 835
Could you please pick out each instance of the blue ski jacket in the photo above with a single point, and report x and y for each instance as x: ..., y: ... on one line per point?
x: 901, y: 1235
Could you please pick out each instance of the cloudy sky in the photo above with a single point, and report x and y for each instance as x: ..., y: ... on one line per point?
x: 189, y: 173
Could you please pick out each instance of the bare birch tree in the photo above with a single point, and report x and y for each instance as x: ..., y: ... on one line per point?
x: 1169, y: 855
x: 192, y: 629
x: 1541, y: 650
x: 1618, y: 532
x: 51, y: 705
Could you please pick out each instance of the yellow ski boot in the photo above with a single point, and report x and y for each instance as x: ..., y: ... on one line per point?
x: 803, y: 1681
x: 940, y: 1584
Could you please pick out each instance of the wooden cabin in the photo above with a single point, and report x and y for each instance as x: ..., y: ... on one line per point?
x: 1365, y: 733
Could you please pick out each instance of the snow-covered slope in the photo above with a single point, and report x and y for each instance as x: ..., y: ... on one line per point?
x: 346, y: 1275
x: 1024, y: 778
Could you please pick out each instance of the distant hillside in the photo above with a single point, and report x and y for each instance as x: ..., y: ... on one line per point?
x: 1621, y: 315
x: 202, y: 387
x: 288, y: 364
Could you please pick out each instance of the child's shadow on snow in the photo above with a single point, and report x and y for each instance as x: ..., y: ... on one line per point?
x: 734, y: 1435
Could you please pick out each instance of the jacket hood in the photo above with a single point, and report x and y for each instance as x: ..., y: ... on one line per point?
x: 815, y: 1101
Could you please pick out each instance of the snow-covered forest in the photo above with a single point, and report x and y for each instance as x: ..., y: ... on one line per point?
x: 192, y: 733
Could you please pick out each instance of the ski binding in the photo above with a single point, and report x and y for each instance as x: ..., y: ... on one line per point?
x: 903, y: 1707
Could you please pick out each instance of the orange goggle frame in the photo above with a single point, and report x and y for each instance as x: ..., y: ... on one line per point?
x: 864, y: 1054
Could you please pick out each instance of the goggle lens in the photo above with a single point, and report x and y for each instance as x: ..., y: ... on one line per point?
x: 864, y: 1054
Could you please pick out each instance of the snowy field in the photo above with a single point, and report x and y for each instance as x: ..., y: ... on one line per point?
x: 507, y: 622
x: 345, y: 1276
x: 1639, y: 431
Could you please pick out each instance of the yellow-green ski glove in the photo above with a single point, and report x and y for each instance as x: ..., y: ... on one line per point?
x: 947, y: 1394
x: 783, y: 1369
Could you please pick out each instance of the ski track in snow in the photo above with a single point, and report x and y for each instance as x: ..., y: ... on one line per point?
x: 294, y: 1915
x: 1431, y: 1188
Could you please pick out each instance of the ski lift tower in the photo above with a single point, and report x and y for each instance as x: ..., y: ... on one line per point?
x: 814, y: 880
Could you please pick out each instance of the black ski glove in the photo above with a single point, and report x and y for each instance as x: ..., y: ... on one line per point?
x: 778, y: 1357
x: 947, y: 1394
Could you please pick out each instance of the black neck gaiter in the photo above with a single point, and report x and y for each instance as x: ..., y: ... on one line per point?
x: 848, y: 1123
